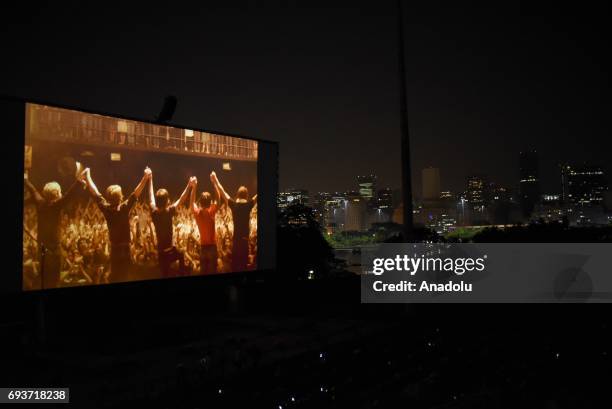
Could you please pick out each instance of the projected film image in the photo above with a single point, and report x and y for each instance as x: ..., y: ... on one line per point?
x: 109, y: 200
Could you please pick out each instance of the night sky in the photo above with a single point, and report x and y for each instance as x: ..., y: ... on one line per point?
x: 322, y: 80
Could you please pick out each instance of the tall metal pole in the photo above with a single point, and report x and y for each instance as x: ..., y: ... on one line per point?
x: 408, y: 227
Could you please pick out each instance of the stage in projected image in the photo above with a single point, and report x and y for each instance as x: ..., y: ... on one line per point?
x: 110, y: 200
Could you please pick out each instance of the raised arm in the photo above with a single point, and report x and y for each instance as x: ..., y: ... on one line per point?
x: 143, y: 181
x: 33, y: 191
x: 93, y: 189
x: 151, y: 194
x: 213, y: 176
x: 72, y: 190
x: 254, y: 198
x: 219, y: 186
x: 181, y: 199
x: 193, y: 181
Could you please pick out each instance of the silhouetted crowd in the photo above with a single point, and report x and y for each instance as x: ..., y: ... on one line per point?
x: 85, y: 245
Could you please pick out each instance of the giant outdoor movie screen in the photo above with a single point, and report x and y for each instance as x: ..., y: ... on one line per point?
x: 110, y: 200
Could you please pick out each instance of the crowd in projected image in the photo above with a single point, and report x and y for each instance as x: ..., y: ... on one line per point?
x: 108, y: 200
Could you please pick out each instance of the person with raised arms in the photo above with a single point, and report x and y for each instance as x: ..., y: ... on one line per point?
x: 116, y: 212
x: 162, y: 214
x: 241, y: 214
x: 49, y: 205
x: 204, y: 212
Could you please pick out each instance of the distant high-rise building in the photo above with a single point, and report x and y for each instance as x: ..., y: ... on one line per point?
x: 476, y: 193
x: 498, y: 193
x: 319, y: 206
x: 583, y: 185
x: 529, y: 180
x: 335, y: 213
x: 356, y: 212
x: 367, y: 186
x: 431, y: 183
x: 565, y: 169
x: 501, y: 208
x: 382, y: 210
x: 384, y: 199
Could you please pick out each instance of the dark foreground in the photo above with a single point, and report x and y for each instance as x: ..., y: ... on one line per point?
x: 302, y: 345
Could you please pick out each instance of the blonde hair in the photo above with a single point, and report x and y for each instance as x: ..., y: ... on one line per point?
x: 114, y: 194
x: 52, y: 191
x: 243, y: 193
x: 162, y: 197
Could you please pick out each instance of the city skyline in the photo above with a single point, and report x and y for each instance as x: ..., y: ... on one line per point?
x: 368, y: 209
x: 555, y: 187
